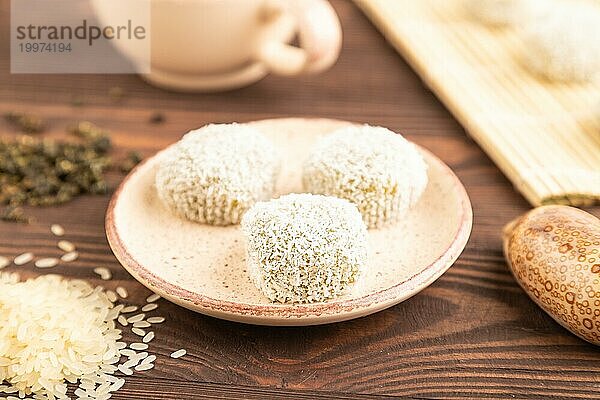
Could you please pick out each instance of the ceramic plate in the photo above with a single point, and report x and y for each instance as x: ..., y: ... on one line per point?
x: 203, y: 267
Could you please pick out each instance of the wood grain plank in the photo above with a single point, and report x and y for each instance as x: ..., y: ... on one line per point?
x: 137, y: 388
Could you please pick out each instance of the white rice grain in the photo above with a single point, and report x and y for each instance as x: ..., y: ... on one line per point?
x: 104, y: 273
x: 57, y: 230
x: 112, y: 296
x: 138, y: 346
x: 130, y: 363
x: 138, y: 331
x: 148, y: 360
x: 108, y: 368
x: 152, y: 298
x: 136, y: 318
x: 114, y: 312
x: 149, y: 307
x: 126, y: 371
x: 178, y: 353
x: 118, y: 384
x: 139, y: 356
x: 23, y: 258
x: 66, y: 246
x: 144, y: 367
x: 70, y: 256
x: 122, y: 292
x: 148, y: 337
x: 46, y: 262
x: 128, y: 352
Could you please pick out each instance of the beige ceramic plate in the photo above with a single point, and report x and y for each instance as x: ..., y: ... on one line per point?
x: 203, y: 267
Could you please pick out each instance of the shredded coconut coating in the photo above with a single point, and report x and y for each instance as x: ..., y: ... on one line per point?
x: 304, y: 248
x: 564, y: 46
x: 216, y: 173
x: 373, y: 167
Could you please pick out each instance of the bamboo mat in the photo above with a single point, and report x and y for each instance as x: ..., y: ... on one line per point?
x: 543, y: 136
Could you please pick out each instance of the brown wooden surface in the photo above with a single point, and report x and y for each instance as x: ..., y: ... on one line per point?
x: 472, y: 334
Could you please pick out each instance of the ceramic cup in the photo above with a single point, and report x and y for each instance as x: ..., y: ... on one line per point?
x: 212, y: 45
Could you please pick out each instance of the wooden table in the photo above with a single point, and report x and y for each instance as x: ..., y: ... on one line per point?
x: 473, y: 333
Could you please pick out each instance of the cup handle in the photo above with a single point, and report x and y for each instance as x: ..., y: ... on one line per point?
x: 320, y: 35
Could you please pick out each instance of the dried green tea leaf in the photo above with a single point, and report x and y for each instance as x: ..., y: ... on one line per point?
x: 116, y: 94
x: 97, y: 137
x: 25, y: 122
x: 133, y: 158
x: 48, y: 172
x: 14, y: 214
x: 77, y: 101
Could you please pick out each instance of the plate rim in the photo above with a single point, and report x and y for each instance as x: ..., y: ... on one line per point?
x: 238, y: 311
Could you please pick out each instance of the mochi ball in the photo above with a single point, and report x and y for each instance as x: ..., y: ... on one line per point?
x: 304, y: 248
x: 373, y: 167
x: 213, y: 175
x: 564, y: 46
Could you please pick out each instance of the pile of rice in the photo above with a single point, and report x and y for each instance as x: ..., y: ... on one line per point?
x: 304, y: 248
x: 216, y: 173
x: 54, y: 331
